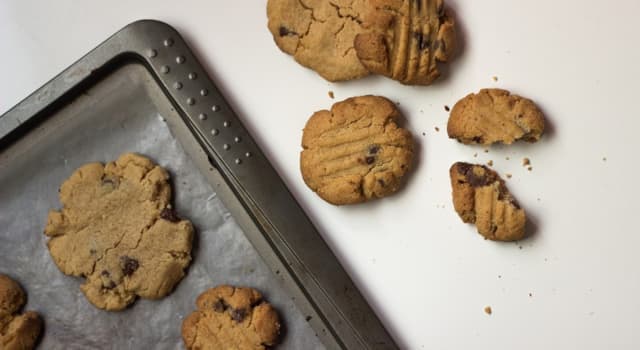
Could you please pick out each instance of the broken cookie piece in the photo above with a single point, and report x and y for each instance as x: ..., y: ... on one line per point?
x: 481, y: 197
x: 495, y: 115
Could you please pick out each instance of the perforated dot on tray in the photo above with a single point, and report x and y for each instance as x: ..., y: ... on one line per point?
x: 152, y: 53
x: 238, y: 160
x: 226, y: 124
x: 168, y: 42
x: 237, y: 139
x: 248, y: 154
x: 226, y: 146
x: 165, y: 69
x: 177, y: 85
x: 202, y: 116
x: 191, y: 101
x: 215, y: 108
x: 180, y: 59
x: 204, y: 92
x: 215, y: 132
x: 192, y: 76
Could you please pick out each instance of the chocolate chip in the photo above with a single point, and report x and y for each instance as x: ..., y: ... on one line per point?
x: 477, y: 139
x: 446, y: 108
x: 169, y: 215
x: 373, y: 149
x: 418, y: 4
x: 423, y: 41
x: 92, y: 251
x: 370, y: 160
x: 238, y: 315
x: 284, y: 31
x: 381, y: 182
x: 105, y: 273
x: 308, y: 318
x: 113, y: 183
x: 111, y: 285
x: 219, y: 306
x: 128, y: 265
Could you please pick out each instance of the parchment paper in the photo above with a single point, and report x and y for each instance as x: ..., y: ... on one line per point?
x: 221, y: 255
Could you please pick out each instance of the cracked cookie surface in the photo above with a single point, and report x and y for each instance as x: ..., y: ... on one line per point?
x: 231, y: 318
x: 356, y: 151
x: 495, y: 115
x: 117, y: 229
x: 406, y: 39
x: 319, y: 34
x: 481, y: 197
x: 17, y: 331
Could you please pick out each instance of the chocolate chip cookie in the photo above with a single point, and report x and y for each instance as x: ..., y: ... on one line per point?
x: 356, y: 151
x: 406, y: 39
x: 17, y: 331
x: 481, y: 197
x: 495, y: 115
x: 117, y: 229
x: 231, y: 318
x: 319, y: 34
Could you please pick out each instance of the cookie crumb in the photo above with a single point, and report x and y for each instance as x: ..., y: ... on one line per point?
x: 423, y: 133
x: 446, y: 108
x: 604, y: 159
x: 499, y: 276
x: 421, y: 111
x: 495, y: 78
x: 308, y: 318
x: 475, y: 155
x: 507, y: 158
x: 490, y: 163
x: 530, y: 295
x: 526, y: 161
x: 508, y: 176
x: 487, y: 310
x: 520, y: 247
x: 530, y: 168
x: 437, y: 129
x: 331, y: 95
x: 486, y: 150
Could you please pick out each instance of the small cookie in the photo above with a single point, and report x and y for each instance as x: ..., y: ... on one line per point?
x: 231, y: 318
x: 17, y: 332
x: 405, y: 39
x: 494, y: 115
x: 356, y: 151
x: 319, y: 34
x: 481, y: 197
x: 117, y: 229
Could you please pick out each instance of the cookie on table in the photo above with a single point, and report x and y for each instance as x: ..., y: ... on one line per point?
x: 231, y: 318
x: 481, y: 197
x: 319, y: 34
x: 495, y: 115
x: 17, y: 331
x: 406, y: 39
x: 356, y: 151
x: 117, y: 229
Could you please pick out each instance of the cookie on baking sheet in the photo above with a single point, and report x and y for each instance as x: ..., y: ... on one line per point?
x: 117, y: 229
x: 231, y: 318
x: 319, y: 34
x: 495, y: 115
x: 17, y: 331
x: 481, y: 197
x: 355, y: 152
x: 406, y: 39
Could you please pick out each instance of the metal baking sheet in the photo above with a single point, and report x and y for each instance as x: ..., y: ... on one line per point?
x: 126, y: 112
x: 142, y: 90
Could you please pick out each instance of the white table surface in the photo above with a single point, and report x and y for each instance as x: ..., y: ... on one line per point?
x: 575, y: 284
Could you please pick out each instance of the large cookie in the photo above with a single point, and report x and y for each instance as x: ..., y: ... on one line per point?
x: 405, y: 39
x: 495, y: 115
x: 117, y: 229
x: 231, y: 318
x: 481, y: 197
x: 17, y: 331
x: 319, y: 34
x: 355, y: 152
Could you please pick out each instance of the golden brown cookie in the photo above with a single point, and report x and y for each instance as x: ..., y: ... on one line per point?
x: 481, y: 197
x: 355, y: 152
x: 231, y: 318
x: 405, y: 39
x: 495, y: 115
x: 17, y: 331
x: 117, y: 229
x: 319, y: 34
